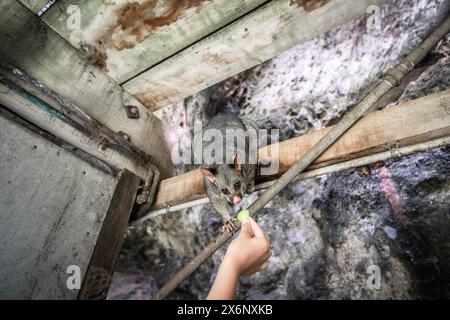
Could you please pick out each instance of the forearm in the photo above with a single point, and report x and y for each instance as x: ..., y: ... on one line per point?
x: 225, y: 284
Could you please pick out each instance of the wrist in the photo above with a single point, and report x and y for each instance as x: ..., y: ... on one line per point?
x: 230, y: 267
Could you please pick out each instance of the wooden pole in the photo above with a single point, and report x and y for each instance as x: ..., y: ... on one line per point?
x: 390, y: 80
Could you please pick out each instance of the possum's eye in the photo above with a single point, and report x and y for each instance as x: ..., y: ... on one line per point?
x: 237, y: 186
x: 225, y: 191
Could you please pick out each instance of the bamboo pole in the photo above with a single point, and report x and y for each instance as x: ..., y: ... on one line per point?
x: 389, y: 81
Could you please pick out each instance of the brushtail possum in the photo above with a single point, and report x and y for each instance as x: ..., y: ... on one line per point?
x: 228, y: 178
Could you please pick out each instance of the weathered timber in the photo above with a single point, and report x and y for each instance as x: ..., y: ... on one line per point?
x: 95, y: 162
x: 52, y: 207
x: 34, y: 5
x: 29, y: 44
x: 101, y: 267
x: 127, y: 37
x: 249, y: 41
x: 350, y: 164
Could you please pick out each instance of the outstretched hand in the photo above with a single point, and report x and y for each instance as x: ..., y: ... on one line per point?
x: 247, y: 254
x: 249, y: 251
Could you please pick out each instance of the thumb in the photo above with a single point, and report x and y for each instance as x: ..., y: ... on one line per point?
x: 246, y: 229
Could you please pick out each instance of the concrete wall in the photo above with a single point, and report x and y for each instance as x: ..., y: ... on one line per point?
x: 52, y: 205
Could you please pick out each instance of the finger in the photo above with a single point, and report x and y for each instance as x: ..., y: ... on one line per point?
x: 264, y: 266
x: 247, y: 229
x: 258, y: 232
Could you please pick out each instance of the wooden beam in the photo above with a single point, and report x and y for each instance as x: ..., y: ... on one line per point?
x: 29, y: 44
x: 27, y: 108
x: 409, y: 123
x: 52, y: 206
x: 251, y: 40
x: 128, y: 37
x: 101, y: 267
x: 40, y: 95
x: 93, y: 161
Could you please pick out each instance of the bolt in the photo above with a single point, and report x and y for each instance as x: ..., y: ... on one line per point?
x: 132, y: 112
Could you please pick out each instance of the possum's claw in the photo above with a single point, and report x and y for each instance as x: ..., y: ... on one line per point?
x: 230, y: 226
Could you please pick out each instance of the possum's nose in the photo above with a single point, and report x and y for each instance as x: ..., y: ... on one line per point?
x: 236, y: 199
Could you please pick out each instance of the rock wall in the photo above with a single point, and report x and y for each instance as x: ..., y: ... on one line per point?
x: 329, y: 233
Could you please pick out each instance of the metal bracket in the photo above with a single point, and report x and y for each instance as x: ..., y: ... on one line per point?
x: 148, y: 193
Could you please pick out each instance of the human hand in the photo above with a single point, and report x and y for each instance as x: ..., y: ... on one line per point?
x: 249, y: 251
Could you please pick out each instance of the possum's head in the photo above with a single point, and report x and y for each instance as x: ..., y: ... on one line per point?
x: 227, y: 180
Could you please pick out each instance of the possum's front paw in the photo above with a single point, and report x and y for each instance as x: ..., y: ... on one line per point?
x: 231, y: 226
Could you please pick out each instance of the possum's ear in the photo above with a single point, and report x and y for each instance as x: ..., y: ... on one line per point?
x: 208, y: 174
x: 237, y: 162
